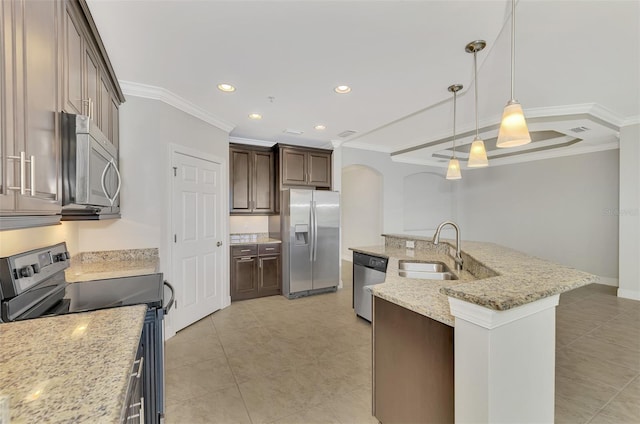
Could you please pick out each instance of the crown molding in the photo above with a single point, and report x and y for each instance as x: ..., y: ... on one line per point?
x: 632, y: 120
x: 251, y: 141
x: 146, y: 91
x: 366, y: 146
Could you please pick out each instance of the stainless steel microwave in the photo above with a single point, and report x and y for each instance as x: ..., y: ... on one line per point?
x: 90, y: 178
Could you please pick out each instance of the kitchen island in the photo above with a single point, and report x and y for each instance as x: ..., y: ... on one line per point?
x: 499, y: 314
x: 70, y: 368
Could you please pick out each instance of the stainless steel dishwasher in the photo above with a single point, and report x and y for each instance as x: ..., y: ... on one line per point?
x: 368, y: 270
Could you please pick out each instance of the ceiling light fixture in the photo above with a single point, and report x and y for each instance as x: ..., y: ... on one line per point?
x: 255, y: 116
x: 513, y: 128
x: 320, y: 127
x: 478, y: 154
x: 453, y: 171
x: 227, y: 88
x: 342, y: 89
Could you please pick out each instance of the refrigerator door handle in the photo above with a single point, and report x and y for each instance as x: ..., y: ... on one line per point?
x: 315, y: 231
x: 311, y: 233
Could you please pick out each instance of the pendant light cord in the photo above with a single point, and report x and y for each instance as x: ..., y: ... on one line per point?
x: 455, y: 95
x: 513, y: 49
x: 475, y: 86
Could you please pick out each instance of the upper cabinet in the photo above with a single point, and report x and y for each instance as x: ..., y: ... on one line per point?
x: 304, y: 167
x: 51, y: 60
x: 88, y: 85
x: 29, y: 112
x: 251, y: 180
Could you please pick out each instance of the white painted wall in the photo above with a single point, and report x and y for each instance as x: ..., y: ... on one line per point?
x: 17, y: 241
x: 556, y: 209
x: 361, y: 208
x: 248, y: 224
x: 397, y: 209
x: 147, y: 127
x: 629, y: 212
x: 560, y: 209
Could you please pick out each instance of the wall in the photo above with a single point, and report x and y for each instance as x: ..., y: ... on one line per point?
x: 361, y: 208
x: 398, y: 213
x: 147, y: 127
x: 248, y: 224
x: 629, y: 212
x: 17, y: 241
x: 560, y: 209
x: 557, y: 209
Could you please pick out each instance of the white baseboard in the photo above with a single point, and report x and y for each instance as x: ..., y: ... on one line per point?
x: 629, y: 294
x: 608, y: 281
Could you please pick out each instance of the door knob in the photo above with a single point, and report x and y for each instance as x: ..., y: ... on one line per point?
x: 219, y: 244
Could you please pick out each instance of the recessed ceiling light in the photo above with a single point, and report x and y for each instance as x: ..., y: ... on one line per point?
x: 320, y: 127
x: 342, y: 89
x: 255, y: 116
x: 227, y: 88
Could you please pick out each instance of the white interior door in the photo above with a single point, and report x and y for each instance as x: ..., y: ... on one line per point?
x: 197, y: 249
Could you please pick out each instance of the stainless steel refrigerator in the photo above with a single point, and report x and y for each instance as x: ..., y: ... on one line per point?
x: 310, y: 241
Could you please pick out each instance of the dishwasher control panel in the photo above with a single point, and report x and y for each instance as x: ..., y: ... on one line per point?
x: 374, y: 262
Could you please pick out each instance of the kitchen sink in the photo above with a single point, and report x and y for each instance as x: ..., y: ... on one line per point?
x: 425, y: 270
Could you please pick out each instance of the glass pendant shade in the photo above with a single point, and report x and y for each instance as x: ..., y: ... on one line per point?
x: 453, y: 171
x: 478, y: 154
x: 513, y: 128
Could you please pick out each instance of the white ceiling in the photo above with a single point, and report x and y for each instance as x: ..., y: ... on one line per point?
x: 576, y: 61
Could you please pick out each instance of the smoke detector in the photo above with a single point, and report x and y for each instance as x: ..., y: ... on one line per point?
x: 580, y: 129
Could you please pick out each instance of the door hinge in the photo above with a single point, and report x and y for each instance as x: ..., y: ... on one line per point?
x: 175, y: 171
x: 175, y: 238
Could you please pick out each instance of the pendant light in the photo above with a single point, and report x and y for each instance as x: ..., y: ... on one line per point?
x: 453, y: 171
x: 513, y: 128
x: 477, y: 154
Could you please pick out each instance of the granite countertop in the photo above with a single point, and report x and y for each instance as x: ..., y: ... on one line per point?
x: 251, y: 238
x: 89, y: 266
x: 70, y: 368
x: 500, y: 278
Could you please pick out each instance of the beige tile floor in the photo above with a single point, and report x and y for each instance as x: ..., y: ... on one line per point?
x: 274, y: 360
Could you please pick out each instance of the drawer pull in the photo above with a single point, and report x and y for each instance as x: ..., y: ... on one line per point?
x: 269, y: 248
x: 245, y: 250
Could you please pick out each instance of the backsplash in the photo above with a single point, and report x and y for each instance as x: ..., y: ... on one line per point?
x: 117, y: 255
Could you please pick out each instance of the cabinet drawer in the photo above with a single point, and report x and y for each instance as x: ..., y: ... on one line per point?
x: 268, y: 249
x: 244, y: 250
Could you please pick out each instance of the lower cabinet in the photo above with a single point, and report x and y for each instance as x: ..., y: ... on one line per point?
x: 412, y: 366
x: 255, y: 271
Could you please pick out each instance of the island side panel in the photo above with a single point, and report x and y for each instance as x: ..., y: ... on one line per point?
x: 413, y: 366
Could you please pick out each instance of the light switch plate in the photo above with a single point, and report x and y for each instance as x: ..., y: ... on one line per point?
x: 410, y: 244
x: 5, y: 415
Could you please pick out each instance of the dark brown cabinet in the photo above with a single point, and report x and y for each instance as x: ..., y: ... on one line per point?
x: 30, y: 139
x: 255, y: 271
x: 251, y: 181
x: 305, y: 167
x: 412, y: 366
x: 88, y: 85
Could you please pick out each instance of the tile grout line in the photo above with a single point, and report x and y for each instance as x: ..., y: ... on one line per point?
x: 613, y: 397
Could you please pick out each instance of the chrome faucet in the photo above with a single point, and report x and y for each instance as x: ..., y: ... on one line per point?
x: 436, y: 240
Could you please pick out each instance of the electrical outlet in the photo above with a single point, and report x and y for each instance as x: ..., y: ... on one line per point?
x: 5, y: 414
x: 410, y: 244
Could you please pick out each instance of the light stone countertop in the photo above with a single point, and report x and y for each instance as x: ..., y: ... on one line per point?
x: 239, y: 239
x: 70, y: 368
x: 101, y: 265
x: 259, y: 240
x: 511, y: 278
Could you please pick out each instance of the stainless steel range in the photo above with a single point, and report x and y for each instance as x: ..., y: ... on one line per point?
x: 33, y: 285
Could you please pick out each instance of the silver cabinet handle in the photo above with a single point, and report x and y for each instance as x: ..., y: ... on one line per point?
x: 23, y: 174
x: 245, y: 250
x: 246, y: 259
x: 269, y: 248
x: 104, y: 174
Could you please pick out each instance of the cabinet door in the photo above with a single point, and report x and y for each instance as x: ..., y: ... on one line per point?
x: 263, y: 182
x: 269, y: 275
x: 7, y: 109
x: 319, y: 169
x: 105, y: 107
x: 244, y: 281
x: 37, y: 84
x: 293, y: 166
x: 240, y: 181
x: 114, y: 117
x: 72, y: 80
x: 92, y: 94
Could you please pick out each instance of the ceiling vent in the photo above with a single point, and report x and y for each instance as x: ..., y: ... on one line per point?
x: 294, y: 132
x: 579, y: 129
x: 347, y: 133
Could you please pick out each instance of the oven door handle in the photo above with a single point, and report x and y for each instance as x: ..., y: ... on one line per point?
x: 170, y: 304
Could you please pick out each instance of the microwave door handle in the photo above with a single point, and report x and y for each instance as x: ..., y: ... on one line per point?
x: 104, y: 174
